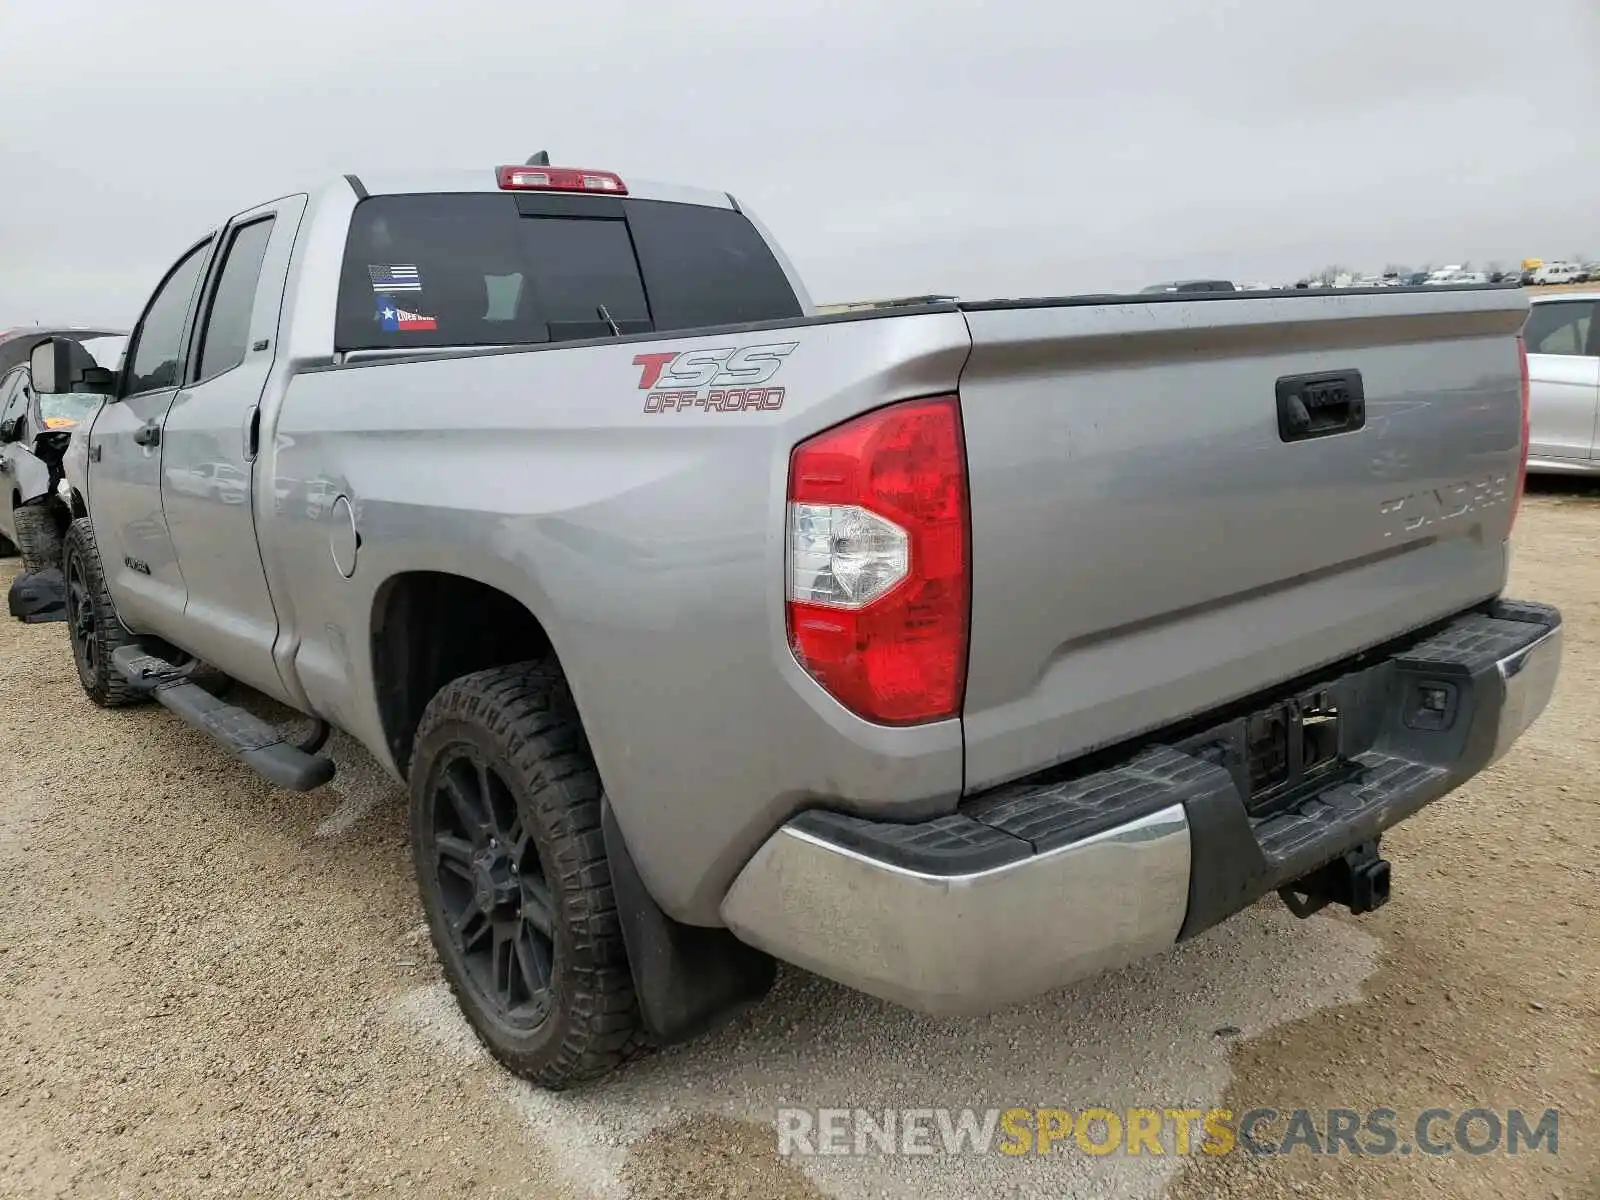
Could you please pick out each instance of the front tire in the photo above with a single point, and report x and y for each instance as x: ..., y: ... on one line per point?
x: 38, y: 536
x: 92, y: 624
x: 511, y: 864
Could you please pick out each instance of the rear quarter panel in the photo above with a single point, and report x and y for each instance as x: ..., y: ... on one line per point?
x: 649, y: 544
x: 30, y: 478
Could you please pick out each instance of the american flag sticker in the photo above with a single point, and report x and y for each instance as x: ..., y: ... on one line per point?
x: 395, y: 279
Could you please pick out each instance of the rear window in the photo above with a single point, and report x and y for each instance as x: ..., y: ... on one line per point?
x: 490, y: 269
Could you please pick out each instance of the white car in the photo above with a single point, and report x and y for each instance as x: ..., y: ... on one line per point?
x: 1563, y: 339
x: 34, y: 433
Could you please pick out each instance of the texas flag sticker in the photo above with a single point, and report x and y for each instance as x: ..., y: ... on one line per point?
x: 395, y: 319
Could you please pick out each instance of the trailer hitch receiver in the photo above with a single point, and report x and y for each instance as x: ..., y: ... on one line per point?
x: 1357, y: 879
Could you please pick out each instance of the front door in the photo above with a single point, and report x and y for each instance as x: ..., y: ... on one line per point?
x: 1563, y: 340
x: 130, y: 530
x: 209, y: 444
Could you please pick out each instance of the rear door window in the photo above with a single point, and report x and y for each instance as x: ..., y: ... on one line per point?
x: 227, y: 327
x: 509, y: 269
x: 1561, y: 327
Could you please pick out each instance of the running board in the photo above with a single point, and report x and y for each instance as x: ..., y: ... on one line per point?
x: 260, y: 746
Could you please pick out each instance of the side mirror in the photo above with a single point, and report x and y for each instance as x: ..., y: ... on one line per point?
x: 57, y: 366
x: 8, y: 429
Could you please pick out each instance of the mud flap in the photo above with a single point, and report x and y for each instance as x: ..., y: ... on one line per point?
x: 688, y: 978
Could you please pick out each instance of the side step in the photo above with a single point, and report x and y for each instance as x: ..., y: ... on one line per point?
x: 260, y: 746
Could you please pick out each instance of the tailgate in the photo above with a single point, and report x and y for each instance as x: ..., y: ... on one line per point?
x: 1177, y: 502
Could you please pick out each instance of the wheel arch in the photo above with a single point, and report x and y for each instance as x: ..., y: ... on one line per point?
x: 419, y: 643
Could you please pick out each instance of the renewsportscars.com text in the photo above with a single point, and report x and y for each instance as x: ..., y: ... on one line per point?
x: 1175, y: 1131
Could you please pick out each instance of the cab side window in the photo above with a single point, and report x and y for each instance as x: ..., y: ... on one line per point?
x: 1563, y: 327
x: 158, y: 343
x: 226, y: 336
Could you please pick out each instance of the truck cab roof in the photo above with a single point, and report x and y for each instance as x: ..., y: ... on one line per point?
x: 399, y: 181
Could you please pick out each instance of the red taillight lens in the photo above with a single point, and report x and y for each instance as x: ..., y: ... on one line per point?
x: 560, y: 179
x: 879, y: 575
x: 1527, y: 400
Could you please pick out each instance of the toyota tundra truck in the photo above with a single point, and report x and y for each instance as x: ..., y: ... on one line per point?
x: 954, y: 652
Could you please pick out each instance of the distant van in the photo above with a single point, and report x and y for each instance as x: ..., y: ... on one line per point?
x: 1557, y: 272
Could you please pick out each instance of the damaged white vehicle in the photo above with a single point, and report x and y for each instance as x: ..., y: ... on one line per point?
x: 34, y: 434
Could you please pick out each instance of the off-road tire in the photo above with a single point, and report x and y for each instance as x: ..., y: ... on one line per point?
x: 522, y: 720
x: 38, y: 536
x: 86, y: 584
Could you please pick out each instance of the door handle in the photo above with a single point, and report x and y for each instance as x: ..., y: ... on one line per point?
x: 148, y: 434
x: 252, y: 433
x: 94, y: 452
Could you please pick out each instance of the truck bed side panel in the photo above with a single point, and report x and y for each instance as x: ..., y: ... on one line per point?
x: 649, y: 544
x: 1146, y: 545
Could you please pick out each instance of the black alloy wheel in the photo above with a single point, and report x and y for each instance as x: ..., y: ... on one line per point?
x: 493, y: 889
x: 92, y: 624
x: 81, y: 622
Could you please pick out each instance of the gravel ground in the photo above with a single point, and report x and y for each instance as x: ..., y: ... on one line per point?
x: 209, y: 988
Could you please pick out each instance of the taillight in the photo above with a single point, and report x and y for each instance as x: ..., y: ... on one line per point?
x: 560, y: 179
x: 1527, y: 400
x: 879, y: 576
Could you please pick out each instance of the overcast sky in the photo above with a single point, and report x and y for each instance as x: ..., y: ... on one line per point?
x: 1001, y: 147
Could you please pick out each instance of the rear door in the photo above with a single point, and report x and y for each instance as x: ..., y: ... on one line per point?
x: 1563, y: 340
x: 210, y: 443
x: 125, y: 456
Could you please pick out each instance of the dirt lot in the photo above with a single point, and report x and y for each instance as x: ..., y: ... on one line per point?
x: 208, y: 988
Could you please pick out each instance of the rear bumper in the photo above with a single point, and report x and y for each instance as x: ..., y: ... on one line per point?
x: 1037, y: 884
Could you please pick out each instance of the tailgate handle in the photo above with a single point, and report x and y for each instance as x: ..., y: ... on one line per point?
x: 1313, y: 406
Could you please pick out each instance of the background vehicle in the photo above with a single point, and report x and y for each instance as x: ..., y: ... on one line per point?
x: 34, y: 431
x: 220, y: 481
x: 1192, y: 285
x: 1556, y: 272
x: 17, y: 344
x: 707, y: 631
x: 1563, y: 338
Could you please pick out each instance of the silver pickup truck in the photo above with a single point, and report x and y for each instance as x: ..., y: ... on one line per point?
x: 954, y: 652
